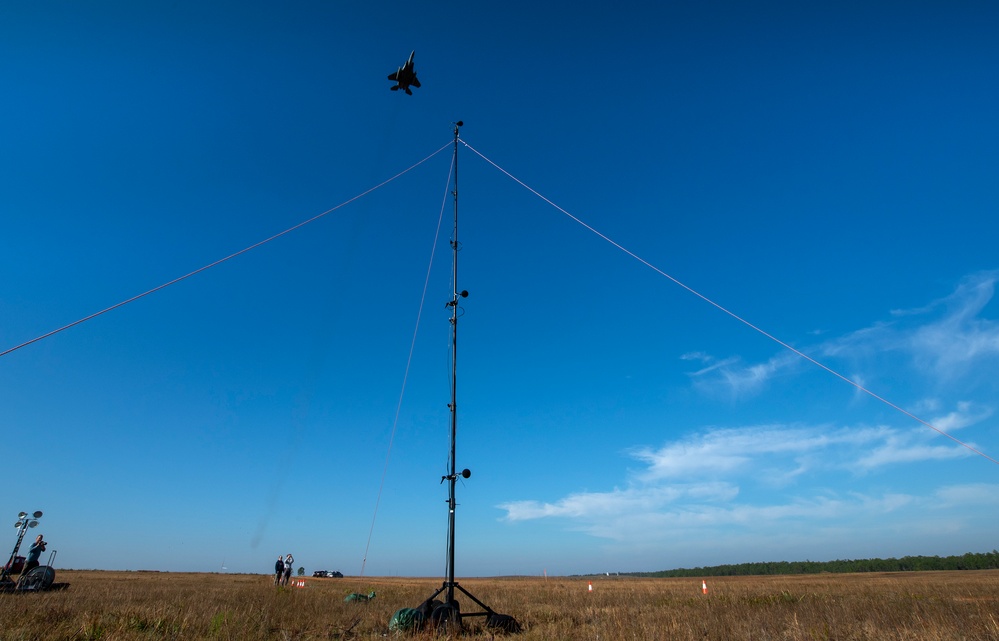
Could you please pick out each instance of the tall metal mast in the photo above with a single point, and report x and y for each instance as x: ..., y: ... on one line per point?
x: 452, y: 476
x: 448, y: 612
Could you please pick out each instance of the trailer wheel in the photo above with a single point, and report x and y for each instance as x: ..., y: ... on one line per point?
x: 38, y: 578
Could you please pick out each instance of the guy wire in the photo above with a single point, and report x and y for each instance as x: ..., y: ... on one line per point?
x: 221, y: 260
x: 734, y: 315
x: 409, y: 361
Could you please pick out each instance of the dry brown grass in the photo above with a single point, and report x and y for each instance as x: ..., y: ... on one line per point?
x: 884, y: 607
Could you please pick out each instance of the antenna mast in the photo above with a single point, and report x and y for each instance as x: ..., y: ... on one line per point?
x: 452, y: 476
x: 448, y: 612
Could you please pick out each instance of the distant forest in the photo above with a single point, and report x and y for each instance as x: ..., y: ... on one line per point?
x: 969, y: 561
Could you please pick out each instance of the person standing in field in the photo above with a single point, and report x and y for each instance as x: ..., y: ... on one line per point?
x: 288, y: 562
x: 278, y: 570
x: 34, y: 552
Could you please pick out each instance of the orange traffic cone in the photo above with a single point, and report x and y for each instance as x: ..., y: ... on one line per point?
x: 704, y: 586
x: 589, y: 585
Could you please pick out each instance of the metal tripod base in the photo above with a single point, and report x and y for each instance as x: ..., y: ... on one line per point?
x: 445, y: 614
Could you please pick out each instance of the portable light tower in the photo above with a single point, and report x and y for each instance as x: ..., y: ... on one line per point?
x: 24, y: 521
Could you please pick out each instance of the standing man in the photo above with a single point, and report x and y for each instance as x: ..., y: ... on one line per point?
x: 288, y: 562
x: 278, y: 570
x: 33, y: 553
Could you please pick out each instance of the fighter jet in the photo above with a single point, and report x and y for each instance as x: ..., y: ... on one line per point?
x: 405, y: 76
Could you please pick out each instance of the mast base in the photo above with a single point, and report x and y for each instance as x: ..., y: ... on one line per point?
x: 447, y: 614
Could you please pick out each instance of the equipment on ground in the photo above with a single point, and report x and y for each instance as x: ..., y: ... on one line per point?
x: 38, y: 578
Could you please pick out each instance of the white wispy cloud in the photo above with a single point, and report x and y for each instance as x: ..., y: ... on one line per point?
x: 739, y: 380
x: 722, y: 452
x: 967, y: 413
x: 896, y: 450
x: 942, y: 341
x: 617, y: 503
x: 948, y: 337
x: 660, y: 498
x: 978, y: 495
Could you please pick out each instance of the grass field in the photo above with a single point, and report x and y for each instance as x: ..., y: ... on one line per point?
x: 148, y: 605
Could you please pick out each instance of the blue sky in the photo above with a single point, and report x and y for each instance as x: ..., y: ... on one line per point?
x: 825, y: 172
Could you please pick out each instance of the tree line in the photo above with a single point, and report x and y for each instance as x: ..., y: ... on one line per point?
x: 969, y: 561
